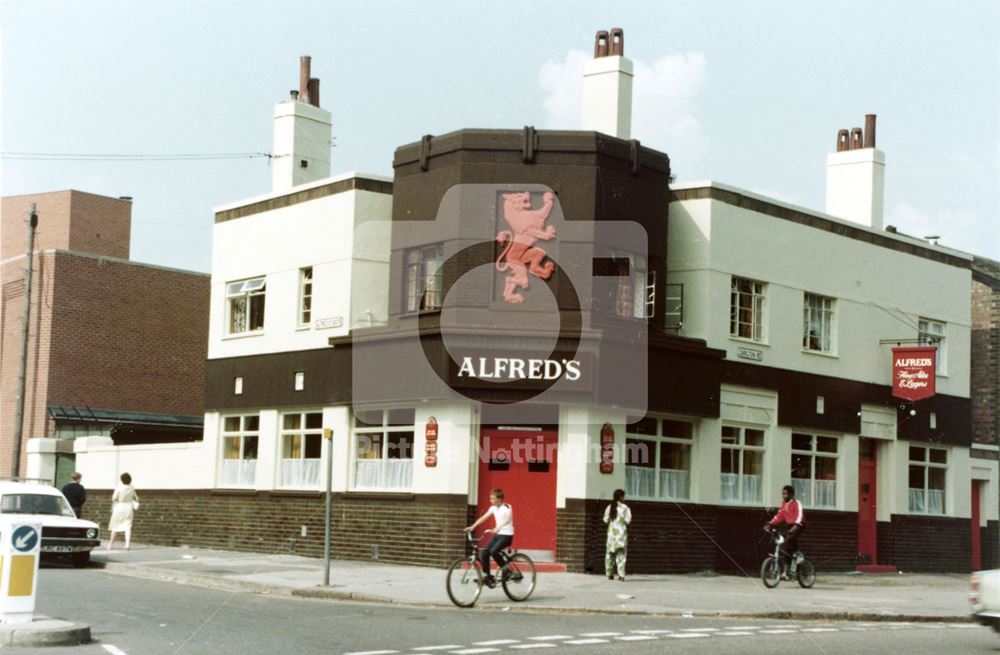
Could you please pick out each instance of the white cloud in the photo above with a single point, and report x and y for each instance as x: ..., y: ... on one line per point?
x: 664, y: 99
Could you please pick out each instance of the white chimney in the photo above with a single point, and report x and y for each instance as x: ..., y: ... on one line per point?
x: 607, y: 87
x: 302, y: 132
x: 855, y: 177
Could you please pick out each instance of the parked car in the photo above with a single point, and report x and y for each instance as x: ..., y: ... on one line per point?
x: 984, y: 594
x: 63, y: 535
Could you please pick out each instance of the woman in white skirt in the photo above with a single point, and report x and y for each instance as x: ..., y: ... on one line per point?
x: 124, y: 502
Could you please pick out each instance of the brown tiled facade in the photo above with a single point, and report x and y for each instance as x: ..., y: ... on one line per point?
x: 105, y: 332
x: 985, y: 368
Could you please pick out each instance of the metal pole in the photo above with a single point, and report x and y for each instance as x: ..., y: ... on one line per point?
x: 328, y: 436
x: 15, y: 465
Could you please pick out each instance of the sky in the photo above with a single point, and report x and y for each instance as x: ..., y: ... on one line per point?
x: 750, y: 94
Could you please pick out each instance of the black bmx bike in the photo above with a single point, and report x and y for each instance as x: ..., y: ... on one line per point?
x: 772, y: 570
x: 465, y: 580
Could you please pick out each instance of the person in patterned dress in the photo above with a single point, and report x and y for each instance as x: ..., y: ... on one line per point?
x: 617, y: 516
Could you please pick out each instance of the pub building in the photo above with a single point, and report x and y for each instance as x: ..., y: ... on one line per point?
x: 548, y: 312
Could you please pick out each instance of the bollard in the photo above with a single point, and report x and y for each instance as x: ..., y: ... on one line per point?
x: 20, y: 548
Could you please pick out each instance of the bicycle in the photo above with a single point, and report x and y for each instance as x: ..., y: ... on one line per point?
x: 464, y: 580
x: 772, y: 570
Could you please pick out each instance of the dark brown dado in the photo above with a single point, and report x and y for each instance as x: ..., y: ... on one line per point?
x: 418, y: 529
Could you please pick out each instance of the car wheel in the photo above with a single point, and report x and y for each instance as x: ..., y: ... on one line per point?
x: 81, y: 560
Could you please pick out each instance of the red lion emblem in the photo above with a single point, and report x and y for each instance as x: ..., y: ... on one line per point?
x: 521, y: 255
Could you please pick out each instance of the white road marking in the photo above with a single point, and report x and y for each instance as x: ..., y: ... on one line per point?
x: 586, y: 642
x: 652, y: 632
x: 539, y: 645
x: 785, y: 627
x: 551, y: 637
x: 737, y: 633
x: 963, y: 625
x: 372, y: 652
x: 599, y: 634
x: 447, y: 647
x: 474, y: 651
x: 778, y: 632
x: 496, y: 642
x: 114, y: 650
x: 743, y: 627
x: 689, y: 635
x: 820, y: 630
x: 700, y: 630
x: 635, y: 637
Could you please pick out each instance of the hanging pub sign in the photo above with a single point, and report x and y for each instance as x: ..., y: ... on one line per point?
x: 430, y: 443
x: 607, y: 449
x: 913, y: 372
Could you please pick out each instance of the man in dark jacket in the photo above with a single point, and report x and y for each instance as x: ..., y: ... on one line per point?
x: 75, y: 494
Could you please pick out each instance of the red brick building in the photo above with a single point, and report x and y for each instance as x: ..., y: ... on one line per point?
x: 116, y: 348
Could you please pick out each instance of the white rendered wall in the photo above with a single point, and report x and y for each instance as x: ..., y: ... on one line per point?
x: 879, y: 292
x: 578, y: 472
x: 301, y: 133
x: 855, y: 186
x: 152, y: 466
x: 458, y: 440
x: 320, y: 233
x: 607, y: 96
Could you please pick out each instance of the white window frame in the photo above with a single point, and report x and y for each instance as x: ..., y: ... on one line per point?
x: 358, y: 433
x: 933, y: 333
x: 826, y: 314
x: 424, y: 279
x: 658, y: 440
x: 305, y: 296
x: 924, y: 494
x: 807, y: 494
x: 757, y: 295
x: 742, y: 448
x: 635, y: 294
x: 245, y: 474
x: 302, y: 461
x: 247, y: 291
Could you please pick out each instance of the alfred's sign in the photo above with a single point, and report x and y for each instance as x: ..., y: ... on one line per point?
x: 913, y: 372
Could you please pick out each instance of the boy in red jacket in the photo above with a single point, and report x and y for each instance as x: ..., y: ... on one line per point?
x: 791, y: 519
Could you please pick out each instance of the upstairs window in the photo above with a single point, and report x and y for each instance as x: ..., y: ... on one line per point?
x: 305, y: 296
x: 817, y: 323
x: 424, y: 283
x: 635, y: 292
x: 245, y: 306
x: 746, y: 309
x: 932, y: 333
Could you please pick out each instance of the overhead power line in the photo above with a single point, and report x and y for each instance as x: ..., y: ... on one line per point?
x: 179, y: 156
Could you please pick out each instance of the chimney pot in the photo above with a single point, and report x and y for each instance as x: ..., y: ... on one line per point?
x: 314, y: 91
x: 856, y: 139
x: 600, y: 44
x: 305, y: 66
x: 294, y: 94
x: 617, y: 42
x: 843, y: 140
x: 869, y: 130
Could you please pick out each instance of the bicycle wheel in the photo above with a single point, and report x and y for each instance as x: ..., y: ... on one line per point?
x: 770, y: 572
x: 464, y: 582
x: 805, y: 573
x: 519, y: 580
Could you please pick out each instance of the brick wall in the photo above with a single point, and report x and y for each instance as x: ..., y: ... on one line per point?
x: 67, y: 220
x: 989, y: 545
x: 423, y: 530
x: 918, y: 544
x: 985, y: 347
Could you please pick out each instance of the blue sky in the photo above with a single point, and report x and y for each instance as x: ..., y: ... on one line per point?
x: 747, y: 93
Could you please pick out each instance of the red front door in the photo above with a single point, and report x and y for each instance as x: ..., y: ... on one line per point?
x: 977, y: 561
x: 867, y: 495
x: 523, y: 464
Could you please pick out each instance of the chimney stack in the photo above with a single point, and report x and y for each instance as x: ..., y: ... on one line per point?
x: 607, y: 86
x: 302, y: 131
x: 855, y: 177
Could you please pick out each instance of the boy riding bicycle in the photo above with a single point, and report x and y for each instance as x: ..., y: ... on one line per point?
x: 503, y: 534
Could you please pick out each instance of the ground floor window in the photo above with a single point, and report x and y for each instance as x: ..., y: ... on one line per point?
x: 742, y: 467
x: 658, y: 458
x: 240, y: 440
x: 814, y: 469
x: 928, y: 468
x: 383, y: 449
x: 301, y: 448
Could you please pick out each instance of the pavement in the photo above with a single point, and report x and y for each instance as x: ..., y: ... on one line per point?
x: 843, y: 596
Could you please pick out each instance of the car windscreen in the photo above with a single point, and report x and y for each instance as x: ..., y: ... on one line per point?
x: 35, y: 504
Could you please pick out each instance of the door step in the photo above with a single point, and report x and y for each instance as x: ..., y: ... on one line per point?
x: 877, y: 568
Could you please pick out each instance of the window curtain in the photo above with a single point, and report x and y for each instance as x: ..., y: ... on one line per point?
x: 825, y: 493
x: 935, y: 501
x: 368, y: 474
x: 300, y: 472
x: 238, y: 473
x: 384, y: 474
x: 803, y: 491
x: 730, y: 487
x: 640, y: 482
x: 675, y: 484
x: 917, y: 500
